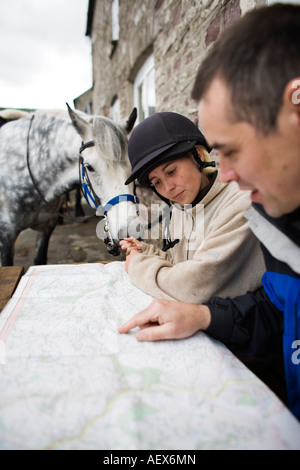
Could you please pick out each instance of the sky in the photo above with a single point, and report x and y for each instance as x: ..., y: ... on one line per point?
x: 45, y: 56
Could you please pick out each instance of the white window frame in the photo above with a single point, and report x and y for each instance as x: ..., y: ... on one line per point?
x: 144, y: 97
x: 115, y: 111
x: 115, y: 20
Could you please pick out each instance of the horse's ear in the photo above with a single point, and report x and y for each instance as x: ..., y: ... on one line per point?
x: 131, y: 120
x: 78, y: 122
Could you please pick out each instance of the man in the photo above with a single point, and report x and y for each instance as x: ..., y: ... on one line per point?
x: 248, y: 90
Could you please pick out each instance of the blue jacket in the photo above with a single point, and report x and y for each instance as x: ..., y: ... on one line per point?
x: 256, y: 323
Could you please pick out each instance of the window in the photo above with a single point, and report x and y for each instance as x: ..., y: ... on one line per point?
x: 88, y: 107
x: 115, y: 110
x: 115, y: 20
x: 144, y: 90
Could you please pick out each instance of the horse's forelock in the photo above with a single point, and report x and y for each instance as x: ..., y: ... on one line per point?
x: 111, y: 138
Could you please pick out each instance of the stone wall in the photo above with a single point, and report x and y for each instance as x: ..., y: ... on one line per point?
x: 178, y: 32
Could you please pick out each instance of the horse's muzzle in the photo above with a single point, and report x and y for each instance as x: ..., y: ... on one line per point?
x: 113, y: 247
x: 133, y: 229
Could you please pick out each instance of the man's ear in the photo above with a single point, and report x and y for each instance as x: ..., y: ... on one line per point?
x: 291, y: 100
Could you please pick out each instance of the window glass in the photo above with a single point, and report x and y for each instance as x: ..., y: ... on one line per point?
x: 144, y: 90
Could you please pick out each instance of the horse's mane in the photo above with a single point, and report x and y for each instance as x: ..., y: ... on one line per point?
x: 108, y: 132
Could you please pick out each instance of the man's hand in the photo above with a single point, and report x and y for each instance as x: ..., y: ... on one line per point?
x: 168, y: 319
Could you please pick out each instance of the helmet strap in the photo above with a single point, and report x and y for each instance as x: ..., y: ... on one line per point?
x: 160, y: 196
x: 168, y: 243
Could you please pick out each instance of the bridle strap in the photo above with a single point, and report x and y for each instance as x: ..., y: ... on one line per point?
x: 88, y: 144
x: 90, y: 193
x: 121, y: 198
x: 91, y: 196
x: 86, y: 185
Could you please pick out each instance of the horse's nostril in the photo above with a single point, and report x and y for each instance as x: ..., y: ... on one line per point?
x: 113, y: 249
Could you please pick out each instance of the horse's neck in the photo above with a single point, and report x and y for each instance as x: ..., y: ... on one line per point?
x: 60, y: 169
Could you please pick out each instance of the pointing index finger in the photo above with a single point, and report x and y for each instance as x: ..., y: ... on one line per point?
x: 140, y: 319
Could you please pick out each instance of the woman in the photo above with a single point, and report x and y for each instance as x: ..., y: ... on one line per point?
x: 213, y: 251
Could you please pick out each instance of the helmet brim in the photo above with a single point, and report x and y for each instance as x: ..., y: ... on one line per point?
x: 159, y: 156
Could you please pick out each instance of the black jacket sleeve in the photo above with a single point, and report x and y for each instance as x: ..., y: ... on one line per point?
x: 249, y: 325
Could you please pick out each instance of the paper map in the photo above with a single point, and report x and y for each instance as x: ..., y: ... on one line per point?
x: 69, y: 380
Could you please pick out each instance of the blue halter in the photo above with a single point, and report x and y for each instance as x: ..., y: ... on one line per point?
x: 115, y: 200
x: 87, y: 188
x: 89, y: 195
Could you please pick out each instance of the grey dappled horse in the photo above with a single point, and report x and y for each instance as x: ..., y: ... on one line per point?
x: 39, y: 161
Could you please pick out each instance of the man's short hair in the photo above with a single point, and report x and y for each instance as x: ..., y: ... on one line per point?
x: 255, y: 57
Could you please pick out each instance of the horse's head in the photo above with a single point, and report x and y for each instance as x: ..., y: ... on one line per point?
x: 104, y: 169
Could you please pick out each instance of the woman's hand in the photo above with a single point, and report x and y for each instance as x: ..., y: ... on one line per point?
x: 128, y: 243
x: 132, y: 247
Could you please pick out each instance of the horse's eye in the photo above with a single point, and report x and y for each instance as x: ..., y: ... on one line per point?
x: 89, y: 167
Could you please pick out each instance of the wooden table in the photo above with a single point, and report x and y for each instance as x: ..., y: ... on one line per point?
x: 9, y: 279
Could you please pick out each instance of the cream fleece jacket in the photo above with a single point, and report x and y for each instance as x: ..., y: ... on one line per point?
x: 217, y: 255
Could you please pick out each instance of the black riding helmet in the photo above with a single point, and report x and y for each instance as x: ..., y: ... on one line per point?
x: 159, y: 138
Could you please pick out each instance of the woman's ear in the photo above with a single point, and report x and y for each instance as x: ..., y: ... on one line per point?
x: 200, y: 152
x: 209, y: 164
